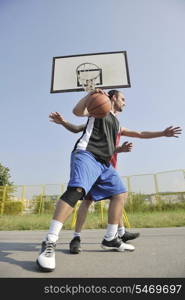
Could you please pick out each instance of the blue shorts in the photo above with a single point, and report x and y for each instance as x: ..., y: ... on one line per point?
x: 100, y: 180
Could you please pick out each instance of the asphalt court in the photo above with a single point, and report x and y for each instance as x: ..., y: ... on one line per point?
x: 159, y: 253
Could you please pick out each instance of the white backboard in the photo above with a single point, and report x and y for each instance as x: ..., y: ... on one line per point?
x: 113, y: 67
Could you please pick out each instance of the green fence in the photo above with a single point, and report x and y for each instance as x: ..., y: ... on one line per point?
x: 167, y: 186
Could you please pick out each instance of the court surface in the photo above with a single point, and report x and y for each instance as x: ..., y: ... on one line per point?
x: 159, y: 253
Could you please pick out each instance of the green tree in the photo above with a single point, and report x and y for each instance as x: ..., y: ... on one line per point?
x: 7, y: 189
x: 4, y: 176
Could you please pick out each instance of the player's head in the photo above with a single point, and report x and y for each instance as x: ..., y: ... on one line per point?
x: 117, y: 99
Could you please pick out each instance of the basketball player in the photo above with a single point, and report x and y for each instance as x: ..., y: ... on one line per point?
x: 75, y: 246
x: 92, y: 171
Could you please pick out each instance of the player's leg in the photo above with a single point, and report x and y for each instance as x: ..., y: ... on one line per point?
x: 123, y: 234
x: 110, y: 185
x: 64, y: 208
x: 82, y: 164
x: 82, y: 214
x: 74, y: 245
x: 111, y: 240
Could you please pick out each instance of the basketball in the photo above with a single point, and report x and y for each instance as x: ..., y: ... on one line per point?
x: 98, y: 105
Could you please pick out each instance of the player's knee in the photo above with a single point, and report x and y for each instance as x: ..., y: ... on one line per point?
x: 72, y: 195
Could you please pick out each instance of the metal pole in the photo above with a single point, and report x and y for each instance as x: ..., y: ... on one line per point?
x: 3, y: 199
x: 156, y: 187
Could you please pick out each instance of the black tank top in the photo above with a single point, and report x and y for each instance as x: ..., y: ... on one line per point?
x: 99, y: 137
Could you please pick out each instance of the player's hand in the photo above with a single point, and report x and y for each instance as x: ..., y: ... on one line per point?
x: 97, y: 90
x: 126, y: 147
x: 172, y: 131
x: 56, y: 118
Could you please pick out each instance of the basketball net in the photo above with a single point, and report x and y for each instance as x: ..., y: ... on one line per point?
x: 88, y: 85
x: 87, y: 74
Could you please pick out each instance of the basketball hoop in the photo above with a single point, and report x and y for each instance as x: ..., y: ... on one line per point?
x: 88, y: 76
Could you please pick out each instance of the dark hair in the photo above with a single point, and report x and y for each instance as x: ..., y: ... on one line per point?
x: 112, y: 93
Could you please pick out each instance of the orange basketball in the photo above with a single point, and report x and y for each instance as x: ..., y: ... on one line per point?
x: 98, y: 105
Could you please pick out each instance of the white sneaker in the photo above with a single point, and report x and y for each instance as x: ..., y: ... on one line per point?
x: 46, y: 259
x: 116, y: 244
x: 128, y: 247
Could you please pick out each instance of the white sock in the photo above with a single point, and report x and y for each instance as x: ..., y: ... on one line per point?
x: 111, y: 231
x: 54, y: 231
x: 121, y: 231
x: 76, y: 234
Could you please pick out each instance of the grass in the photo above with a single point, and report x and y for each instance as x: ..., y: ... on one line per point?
x: 175, y: 218
x: 157, y: 219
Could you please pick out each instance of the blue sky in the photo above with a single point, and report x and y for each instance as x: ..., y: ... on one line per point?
x: 34, y: 31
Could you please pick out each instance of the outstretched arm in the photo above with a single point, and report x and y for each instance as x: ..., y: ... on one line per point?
x: 168, y: 132
x: 58, y: 119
